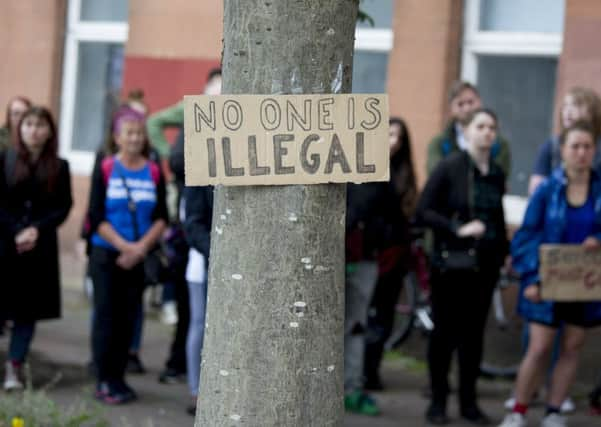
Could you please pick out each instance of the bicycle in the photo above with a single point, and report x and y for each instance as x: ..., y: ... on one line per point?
x: 413, y: 312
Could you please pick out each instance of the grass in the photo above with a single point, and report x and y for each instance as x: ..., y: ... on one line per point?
x: 406, y: 362
x: 33, y: 408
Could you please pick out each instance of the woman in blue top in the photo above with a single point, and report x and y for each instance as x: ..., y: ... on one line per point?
x: 128, y: 214
x: 578, y: 104
x: 566, y: 208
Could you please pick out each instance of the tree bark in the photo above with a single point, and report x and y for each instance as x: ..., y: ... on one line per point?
x: 273, y: 349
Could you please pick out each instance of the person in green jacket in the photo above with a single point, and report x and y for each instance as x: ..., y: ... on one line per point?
x: 464, y: 98
x: 15, y: 110
x: 173, y: 116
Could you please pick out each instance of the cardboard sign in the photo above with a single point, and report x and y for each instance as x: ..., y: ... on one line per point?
x: 569, y: 273
x: 286, y: 139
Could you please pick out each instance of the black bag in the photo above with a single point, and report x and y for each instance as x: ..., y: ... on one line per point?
x: 464, y: 259
x: 155, y: 265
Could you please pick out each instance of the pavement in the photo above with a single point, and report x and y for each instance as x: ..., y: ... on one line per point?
x: 60, y: 352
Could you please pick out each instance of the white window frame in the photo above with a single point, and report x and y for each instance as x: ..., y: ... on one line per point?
x: 378, y: 40
x: 373, y: 39
x: 78, y: 31
x: 477, y: 42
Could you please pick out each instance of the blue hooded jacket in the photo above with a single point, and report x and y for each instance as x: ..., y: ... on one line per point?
x: 545, y: 222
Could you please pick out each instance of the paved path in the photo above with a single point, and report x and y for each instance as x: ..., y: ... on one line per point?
x: 62, y: 348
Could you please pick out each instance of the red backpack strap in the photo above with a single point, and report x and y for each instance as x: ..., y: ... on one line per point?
x: 155, y: 172
x: 107, y: 165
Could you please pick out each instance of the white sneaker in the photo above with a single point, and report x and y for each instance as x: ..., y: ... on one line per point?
x: 169, y: 313
x: 514, y: 420
x: 553, y: 420
x: 567, y: 406
x: 11, y: 377
x: 509, y: 403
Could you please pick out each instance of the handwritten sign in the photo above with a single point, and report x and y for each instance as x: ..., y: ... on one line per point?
x: 569, y: 273
x: 286, y: 139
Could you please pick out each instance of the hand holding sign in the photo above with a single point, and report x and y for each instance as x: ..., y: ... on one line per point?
x: 532, y: 293
x: 591, y: 244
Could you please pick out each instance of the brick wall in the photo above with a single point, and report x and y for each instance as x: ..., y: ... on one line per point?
x: 423, y: 63
x: 31, y: 47
x: 580, y: 61
x: 171, y: 47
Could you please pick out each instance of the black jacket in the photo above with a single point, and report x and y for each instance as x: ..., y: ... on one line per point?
x: 199, y: 217
x: 30, y: 281
x: 444, y: 207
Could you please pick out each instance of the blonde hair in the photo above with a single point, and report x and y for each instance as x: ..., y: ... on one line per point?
x: 590, y: 99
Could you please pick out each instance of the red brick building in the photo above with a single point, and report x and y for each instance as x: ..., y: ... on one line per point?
x: 79, y: 56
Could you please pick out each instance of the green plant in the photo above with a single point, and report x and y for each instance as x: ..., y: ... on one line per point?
x: 33, y: 408
x: 364, y: 17
x: 36, y: 409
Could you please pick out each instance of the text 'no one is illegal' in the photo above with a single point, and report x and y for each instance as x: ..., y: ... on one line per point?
x: 286, y: 139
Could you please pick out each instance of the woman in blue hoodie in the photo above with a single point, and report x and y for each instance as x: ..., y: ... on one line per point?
x: 566, y: 208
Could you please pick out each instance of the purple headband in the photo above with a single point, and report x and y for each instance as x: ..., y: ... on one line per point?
x: 126, y: 115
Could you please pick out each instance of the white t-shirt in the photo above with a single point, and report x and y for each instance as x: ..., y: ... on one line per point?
x: 461, y: 141
x: 196, y: 271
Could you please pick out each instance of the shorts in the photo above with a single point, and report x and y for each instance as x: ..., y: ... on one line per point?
x: 567, y: 313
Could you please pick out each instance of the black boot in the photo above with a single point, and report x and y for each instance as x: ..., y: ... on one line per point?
x: 474, y: 414
x: 436, y: 414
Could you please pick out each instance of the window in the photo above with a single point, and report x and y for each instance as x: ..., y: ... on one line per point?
x: 99, y: 78
x: 105, y: 10
x: 522, y: 15
x: 92, y: 76
x: 510, y: 51
x: 521, y: 91
x: 372, y: 45
x: 369, y: 71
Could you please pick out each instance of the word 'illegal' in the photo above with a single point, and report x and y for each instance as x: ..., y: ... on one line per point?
x: 309, y: 161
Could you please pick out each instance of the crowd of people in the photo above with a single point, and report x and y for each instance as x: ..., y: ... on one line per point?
x: 144, y: 226
x: 135, y: 235
x: 461, y: 207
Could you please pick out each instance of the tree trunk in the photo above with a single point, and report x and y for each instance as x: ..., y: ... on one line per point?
x: 273, y: 349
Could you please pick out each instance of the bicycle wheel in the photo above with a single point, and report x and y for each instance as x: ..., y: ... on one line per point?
x: 502, y: 350
x: 404, y: 312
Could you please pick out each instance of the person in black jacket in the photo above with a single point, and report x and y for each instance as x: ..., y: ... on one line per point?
x: 176, y: 287
x: 197, y: 226
x: 35, y: 199
x: 362, y: 240
x: 462, y: 204
x: 398, y: 200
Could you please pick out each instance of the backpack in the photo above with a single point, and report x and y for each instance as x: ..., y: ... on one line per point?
x: 108, y: 164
